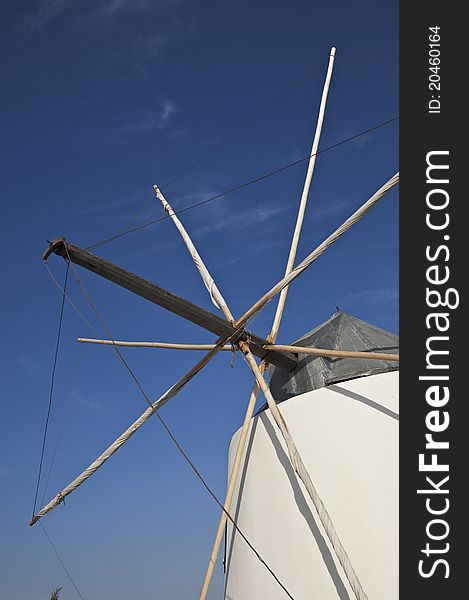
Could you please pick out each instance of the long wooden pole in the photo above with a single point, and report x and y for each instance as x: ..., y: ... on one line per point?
x: 231, y: 487
x: 304, y: 197
x: 167, y: 345
x: 229, y: 348
x: 164, y: 298
x: 334, y: 353
x: 273, y: 334
x: 208, y: 280
x: 114, y: 447
x: 219, y: 300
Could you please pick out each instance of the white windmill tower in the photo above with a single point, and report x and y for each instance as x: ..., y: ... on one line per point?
x: 343, y: 415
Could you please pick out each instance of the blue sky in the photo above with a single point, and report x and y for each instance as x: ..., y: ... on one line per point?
x: 100, y: 100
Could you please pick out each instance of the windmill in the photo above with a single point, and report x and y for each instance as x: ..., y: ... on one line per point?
x: 233, y: 333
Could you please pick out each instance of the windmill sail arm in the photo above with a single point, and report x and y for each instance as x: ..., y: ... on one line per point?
x: 166, y: 299
x: 275, y: 325
x: 139, y: 286
x: 336, y: 353
x: 104, y: 456
x: 165, y: 345
x: 208, y: 280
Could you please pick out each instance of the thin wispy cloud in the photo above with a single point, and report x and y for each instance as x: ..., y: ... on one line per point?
x: 242, y: 219
x: 144, y: 251
x: 142, y: 49
x: 374, y: 296
x: 151, y: 120
x: 146, y: 50
x: 350, y: 130
x: 184, y: 199
x: 46, y: 11
x: 121, y: 210
x: 257, y: 249
x: 78, y: 399
x: 98, y: 10
x: 28, y: 365
x: 332, y: 209
x: 114, y: 125
x: 112, y: 7
x: 364, y: 140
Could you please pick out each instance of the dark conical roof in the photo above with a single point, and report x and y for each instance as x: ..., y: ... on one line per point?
x: 341, y: 332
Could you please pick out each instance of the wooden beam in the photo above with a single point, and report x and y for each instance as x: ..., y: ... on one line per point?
x: 175, y: 304
x: 128, y: 433
x: 166, y: 345
x: 335, y: 353
x: 272, y: 336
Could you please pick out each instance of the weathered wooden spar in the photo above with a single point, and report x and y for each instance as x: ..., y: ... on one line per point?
x: 233, y: 335
x: 229, y: 348
x: 171, y: 302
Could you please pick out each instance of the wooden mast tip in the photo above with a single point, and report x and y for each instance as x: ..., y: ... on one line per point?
x: 56, y: 247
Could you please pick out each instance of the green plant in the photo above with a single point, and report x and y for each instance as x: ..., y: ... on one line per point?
x: 56, y: 593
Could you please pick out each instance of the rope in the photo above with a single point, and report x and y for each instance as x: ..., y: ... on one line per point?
x: 212, y: 494
x: 242, y: 185
x: 61, y: 561
x: 63, y: 292
x: 54, y: 455
x: 170, y: 434
x: 250, y: 120
x: 233, y: 351
x: 142, y: 212
x: 69, y: 300
x: 166, y: 428
x: 51, y: 390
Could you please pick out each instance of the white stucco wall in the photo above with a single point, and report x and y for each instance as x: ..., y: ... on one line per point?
x: 347, y: 435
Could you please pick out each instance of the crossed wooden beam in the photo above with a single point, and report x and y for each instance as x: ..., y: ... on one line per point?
x: 171, y: 302
x: 233, y: 331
